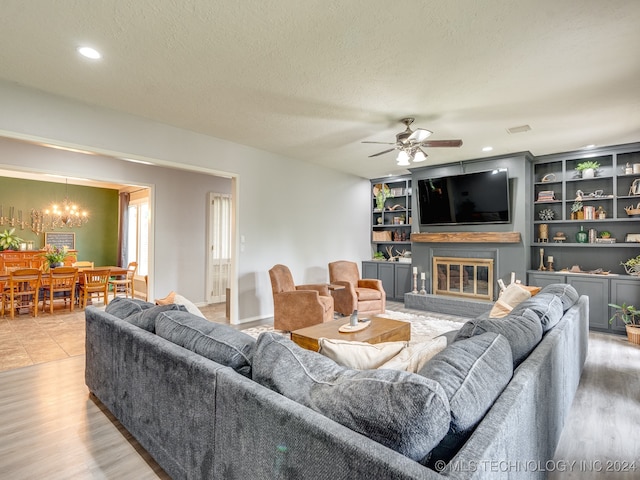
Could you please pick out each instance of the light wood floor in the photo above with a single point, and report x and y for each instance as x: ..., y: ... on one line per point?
x: 50, y: 427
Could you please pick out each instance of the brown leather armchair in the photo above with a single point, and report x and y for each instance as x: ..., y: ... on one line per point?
x: 298, y: 306
x: 365, y: 295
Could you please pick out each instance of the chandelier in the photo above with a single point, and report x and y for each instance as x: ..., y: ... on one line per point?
x: 59, y: 215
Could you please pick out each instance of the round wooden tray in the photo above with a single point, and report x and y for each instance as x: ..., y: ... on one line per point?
x: 347, y: 328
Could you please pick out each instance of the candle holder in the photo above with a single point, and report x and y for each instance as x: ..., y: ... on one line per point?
x: 423, y: 291
x: 415, y: 283
x: 550, y: 268
x: 541, y: 267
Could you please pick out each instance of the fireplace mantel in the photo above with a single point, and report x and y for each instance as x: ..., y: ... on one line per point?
x: 466, y: 237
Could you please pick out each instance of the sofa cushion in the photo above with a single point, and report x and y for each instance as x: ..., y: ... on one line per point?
x: 547, y: 306
x: 403, y: 411
x: 359, y: 355
x: 567, y: 293
x: 123, y: 307
x: 473, y: 373
x: 523, y: 331
x: 215, y: 341
x: 414, y: 356
x: 146, y: 319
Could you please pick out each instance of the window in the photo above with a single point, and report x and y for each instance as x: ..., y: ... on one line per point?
x: 138, y: 231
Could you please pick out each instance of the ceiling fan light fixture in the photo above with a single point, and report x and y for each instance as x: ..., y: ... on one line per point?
x: 419, y: 156
x: 403, y: 159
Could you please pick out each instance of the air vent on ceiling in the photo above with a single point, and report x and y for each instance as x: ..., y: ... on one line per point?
x: 520, y: 129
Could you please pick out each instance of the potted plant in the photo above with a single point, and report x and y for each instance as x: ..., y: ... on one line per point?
x: 630, y: 316
x: 55, y: 255
x: 576, y: 211
x: 381, y: 192
x: 9, y: 240
x: 588, y: 168
x: 632, y: 266
x: 378, y: 256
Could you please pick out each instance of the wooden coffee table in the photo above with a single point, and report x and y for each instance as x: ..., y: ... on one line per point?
x: 381, y: 330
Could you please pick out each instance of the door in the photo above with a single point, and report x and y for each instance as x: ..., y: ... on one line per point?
x: 219, y: 258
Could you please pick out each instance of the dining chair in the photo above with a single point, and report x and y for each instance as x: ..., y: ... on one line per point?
x: 82, y: 264
x: 94, y: 281
x: 124, y: 284
x: 61, y: 281
x: 22, y: 291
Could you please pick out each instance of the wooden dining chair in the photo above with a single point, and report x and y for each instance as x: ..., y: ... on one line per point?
x: 124, y: 284
x: 61, y: 281
x: 81, y: 264
x: 22, y: 291
x: 94, y: 282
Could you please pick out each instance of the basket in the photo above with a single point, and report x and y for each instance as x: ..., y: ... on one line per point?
x: 633, y: 334
x: 384, y: 236
x: 631, y: 210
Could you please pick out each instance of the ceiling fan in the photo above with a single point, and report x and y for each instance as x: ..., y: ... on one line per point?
x: 410, y: 143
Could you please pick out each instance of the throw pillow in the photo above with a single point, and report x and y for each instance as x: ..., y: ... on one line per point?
x: 415, y: 356
x: 215, y: 341
x: 403, y: 411
x: 547, y: 306
x: 523, y: 331
x: 146, y: 319
x: 359, y: 355
x: 178, y: 299
x: 509, y: 298
x: 473, y: 373
x: 123, y: 307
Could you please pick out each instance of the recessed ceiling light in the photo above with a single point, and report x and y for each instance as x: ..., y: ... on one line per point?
x: 89, y: 53
x: 487, y: 149
x: 590, y: 146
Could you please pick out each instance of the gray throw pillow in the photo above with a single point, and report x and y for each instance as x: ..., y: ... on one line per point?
x: 123, y: 307
x: 547, y: 306
x: 403, y: 411
x: 215, y: 341
x: 146, y: 319
x: 473, y: 373
x: 567, y: 293
x: 523, y: 331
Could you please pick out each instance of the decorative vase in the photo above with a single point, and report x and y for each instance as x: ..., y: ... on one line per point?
x: 56, y: 264
x: 582, y: 236
x: 588, y: 173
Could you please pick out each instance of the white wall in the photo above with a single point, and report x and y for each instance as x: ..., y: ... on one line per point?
x: 289, y: 212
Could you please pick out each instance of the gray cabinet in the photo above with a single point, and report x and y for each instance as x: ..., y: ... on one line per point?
x: 391, y: 220
x: 396, y: 277
x: 601, y: 290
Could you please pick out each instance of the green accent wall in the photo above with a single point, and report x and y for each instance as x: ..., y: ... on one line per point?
x: 96, y: 241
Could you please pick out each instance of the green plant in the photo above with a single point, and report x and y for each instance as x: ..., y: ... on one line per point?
x: 378, y: 256
x: 632, y: 265
x: 383, y: 192
x: 54, y: 254
x: 9, y: 240
x: 576, y: 207
x: 586, y: 165
x: 605, y: 234
x: 627, y: 313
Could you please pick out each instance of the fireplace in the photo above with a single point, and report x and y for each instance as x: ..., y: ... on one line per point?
x: 463, y: 277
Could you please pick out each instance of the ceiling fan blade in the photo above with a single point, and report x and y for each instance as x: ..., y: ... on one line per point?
x: 381, y: 143
x: 419, y: 135
x: 382, y: 153
x: 441, y: 143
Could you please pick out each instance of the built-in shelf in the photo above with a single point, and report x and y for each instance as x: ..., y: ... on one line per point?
x: 467, y: 237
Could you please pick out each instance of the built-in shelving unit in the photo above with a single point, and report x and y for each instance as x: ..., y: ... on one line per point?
x: 557, y: 186
x: 391, y: 225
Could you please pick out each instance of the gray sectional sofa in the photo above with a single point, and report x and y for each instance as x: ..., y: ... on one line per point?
x: 207, y: 401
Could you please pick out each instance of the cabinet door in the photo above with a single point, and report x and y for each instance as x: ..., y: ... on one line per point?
x: 542, y: 280
x: 386, y: 274
x: 623, y: 291
x: 597, y: 289
x: 403, y: 280
x: 369, y: 269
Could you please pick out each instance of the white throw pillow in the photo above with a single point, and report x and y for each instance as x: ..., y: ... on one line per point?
x: 359, y: 355
x: 414, y: 357
x: 512, y: 296
x: 188, y: 304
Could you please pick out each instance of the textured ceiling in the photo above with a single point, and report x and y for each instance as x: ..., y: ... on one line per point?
x: 312, y: 79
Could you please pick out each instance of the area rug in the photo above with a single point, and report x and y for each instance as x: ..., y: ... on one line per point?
x: 423, y: 327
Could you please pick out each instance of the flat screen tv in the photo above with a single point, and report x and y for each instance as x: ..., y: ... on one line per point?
x: 470, y: 198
